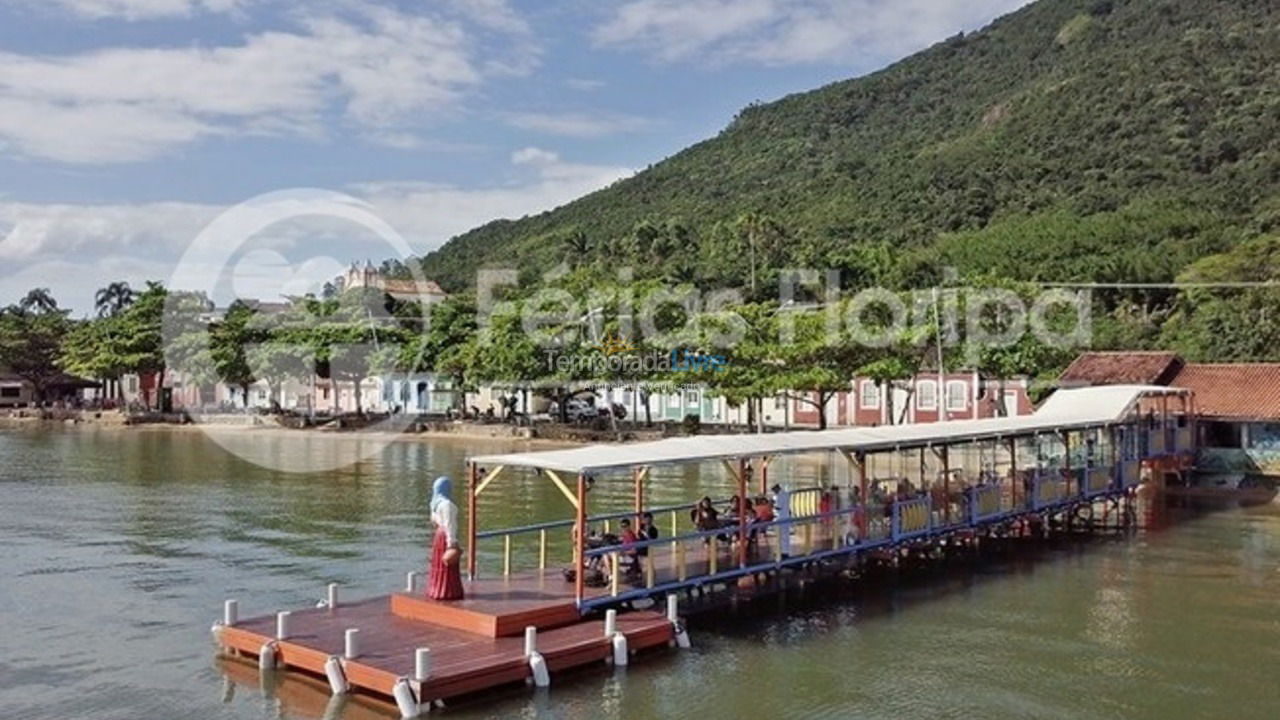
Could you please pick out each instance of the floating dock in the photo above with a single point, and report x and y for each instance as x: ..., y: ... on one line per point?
x: 413, y: 651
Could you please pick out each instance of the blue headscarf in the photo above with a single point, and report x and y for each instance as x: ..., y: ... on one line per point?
x: 441, y: 491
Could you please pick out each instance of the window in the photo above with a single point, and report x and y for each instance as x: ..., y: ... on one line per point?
x: 957, y: 395
x: 779, y: 402
x: 11, y: 391
x: 691, y: 398
x: 869, y: 397
x: 927, y: 395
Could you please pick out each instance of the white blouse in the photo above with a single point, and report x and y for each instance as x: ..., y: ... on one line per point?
x: 446, y: 518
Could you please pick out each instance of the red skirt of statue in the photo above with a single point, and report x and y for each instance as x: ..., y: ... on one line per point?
x: 444, y: 582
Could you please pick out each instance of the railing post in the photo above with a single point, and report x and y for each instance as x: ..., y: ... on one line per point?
x: 506, y: 555
x: 542, y: 549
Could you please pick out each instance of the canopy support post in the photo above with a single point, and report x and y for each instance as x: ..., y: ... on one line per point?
x: 1013, y: 472
x: 742, y: 513
x: 472, y: 472
x: 946, y: 484
x: 638, y: 476
x: 580, y: 541
x: 859, y: 459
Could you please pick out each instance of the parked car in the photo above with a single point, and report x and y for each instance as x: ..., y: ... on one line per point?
x: 576, y: 410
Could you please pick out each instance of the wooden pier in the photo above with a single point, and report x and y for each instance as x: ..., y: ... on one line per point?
x: 913, y: 489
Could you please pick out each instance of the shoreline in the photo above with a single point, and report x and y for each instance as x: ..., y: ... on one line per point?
x: 553, y: 435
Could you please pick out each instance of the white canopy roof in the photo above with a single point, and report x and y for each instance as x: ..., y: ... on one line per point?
x: 1065, y: 409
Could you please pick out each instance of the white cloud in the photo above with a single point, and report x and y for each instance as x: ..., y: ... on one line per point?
x: 780, y: 32
x: 578, y: 125
x: 585, y: 84
x: 74, y: 249
x: 134, y: 9
x: 378, y: 68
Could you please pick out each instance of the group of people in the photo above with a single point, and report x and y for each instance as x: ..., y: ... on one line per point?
x: 760, y: 509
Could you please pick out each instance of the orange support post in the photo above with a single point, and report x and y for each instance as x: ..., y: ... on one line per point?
x: 472, y: 472
x: 861, y: 459
x: 742, y: 513
x: 580, y: 541
x: 1066, y: 458
x: 637, y: 477
x: 946, y: 484
x: 1013, y: 472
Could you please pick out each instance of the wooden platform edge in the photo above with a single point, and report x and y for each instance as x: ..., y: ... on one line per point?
x: 648, y: 633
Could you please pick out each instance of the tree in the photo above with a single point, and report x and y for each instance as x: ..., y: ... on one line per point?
x: 89, y: 349
x: 38, y: 300
x: 188, y: 341
x: 230, y: 339
x: 140, y: 339
x: 31, y: 335
x: 761, y: 238
x: 113, y: 299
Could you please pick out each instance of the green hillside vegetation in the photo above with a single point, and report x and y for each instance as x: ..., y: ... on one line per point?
x: 1073, y: 140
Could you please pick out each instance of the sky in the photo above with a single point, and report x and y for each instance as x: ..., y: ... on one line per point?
x: 128, y: 126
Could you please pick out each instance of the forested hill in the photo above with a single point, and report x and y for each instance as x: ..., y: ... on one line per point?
x: 1072, y: 139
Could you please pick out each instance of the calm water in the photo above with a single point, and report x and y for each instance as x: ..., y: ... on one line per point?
x: 119, y: 547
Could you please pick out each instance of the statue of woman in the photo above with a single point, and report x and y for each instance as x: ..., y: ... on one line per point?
x: 444, y: 577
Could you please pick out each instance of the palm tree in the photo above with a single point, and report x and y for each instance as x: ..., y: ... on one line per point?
x: 114, y: 298
x: 39, y: 299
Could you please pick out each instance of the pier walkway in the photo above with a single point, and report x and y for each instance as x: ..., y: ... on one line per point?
x: 1077, y: 461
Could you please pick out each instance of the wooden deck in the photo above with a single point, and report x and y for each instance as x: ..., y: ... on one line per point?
x: 478, y: 644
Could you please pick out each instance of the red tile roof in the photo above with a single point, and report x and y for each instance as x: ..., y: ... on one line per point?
x: 1247, y: 391
x: 1121, y: 368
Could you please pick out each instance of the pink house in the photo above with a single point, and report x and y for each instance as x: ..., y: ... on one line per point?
x: 925, y: 398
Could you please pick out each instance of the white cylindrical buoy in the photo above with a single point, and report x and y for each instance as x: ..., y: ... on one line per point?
x: 682, y: 638
x: 610, y: 623
x: 620, y: 651
x: 406, y: 703
x: 541, y: 674
x: 530, y: 640
x: 337, y: 677
x: 422, y: 664
x: 410, y: 582
x: 282, y: 625
x: 333, y: 596
x: 673, y: 608
x: 352, y: 646
x: 230, y: 613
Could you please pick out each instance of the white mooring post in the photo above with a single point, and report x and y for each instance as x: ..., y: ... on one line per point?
x: 282, y: 625
x: 230, y: 613
x: 332, y: 601
x: 410, y: 582
x: 538, y: 665
x: 621, y: 653
x: 351, y: 647
x: 422, y: 664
